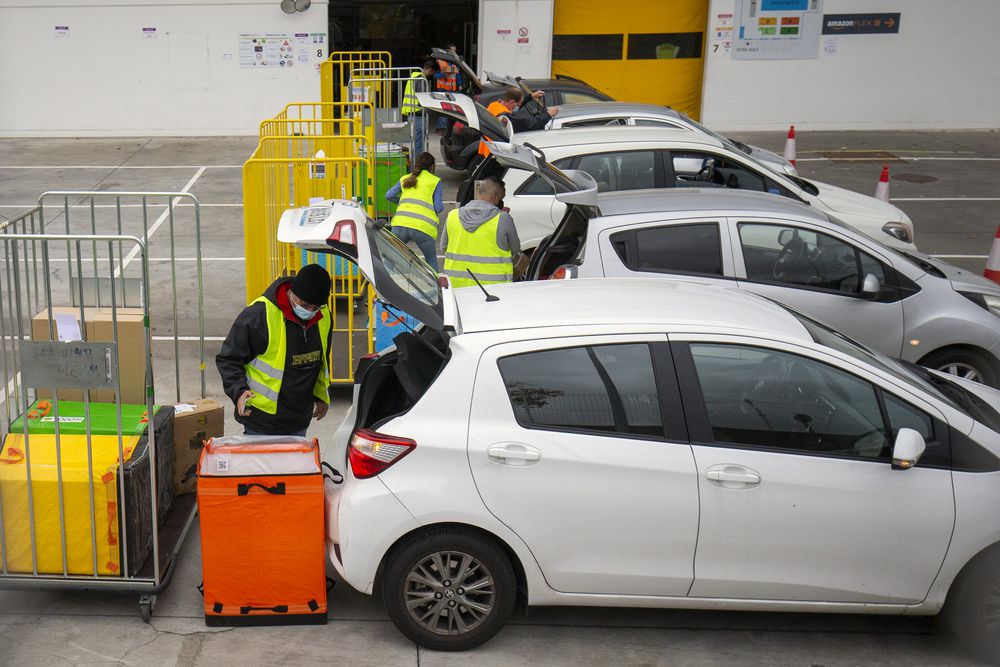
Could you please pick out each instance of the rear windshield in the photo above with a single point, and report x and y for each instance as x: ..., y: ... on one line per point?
x: 403, y: 279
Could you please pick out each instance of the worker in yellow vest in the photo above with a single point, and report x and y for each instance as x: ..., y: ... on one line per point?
x: 481, y: 237
x: 419, y: 205
x: 275, y: 361
x: 410, y: 107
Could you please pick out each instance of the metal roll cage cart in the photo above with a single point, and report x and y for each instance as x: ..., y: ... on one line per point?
x: 90, y: 269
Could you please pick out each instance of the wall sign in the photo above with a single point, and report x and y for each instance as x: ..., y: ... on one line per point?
x: 777, y: 29
x: 281, y: 50
x: 860, y: 24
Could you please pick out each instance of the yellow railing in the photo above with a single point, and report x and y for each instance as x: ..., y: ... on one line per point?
x: 335, y: 73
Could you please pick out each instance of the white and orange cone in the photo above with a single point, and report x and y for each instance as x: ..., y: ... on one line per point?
x: 790, y: 146
x: 992, y: 271
x: 882, y: 189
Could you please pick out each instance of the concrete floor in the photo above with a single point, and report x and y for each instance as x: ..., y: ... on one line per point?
x: 946, y: 182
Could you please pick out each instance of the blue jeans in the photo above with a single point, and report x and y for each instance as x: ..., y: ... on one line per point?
x: 249, y: 431
x: 427, y: 244
x: 419, y: 130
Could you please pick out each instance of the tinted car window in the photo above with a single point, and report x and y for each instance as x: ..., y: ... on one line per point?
x: 693, y: 248
x: 706, y: 170
x: 903, y: 415
x: 595, y: 122
x: 770, y: 399
x: 578, y: 97
x: 600, y: 389
x: 802, y: 257
x: 652, y: 122
x: 631, y: 170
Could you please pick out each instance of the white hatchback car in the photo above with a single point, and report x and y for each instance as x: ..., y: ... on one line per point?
x: 638, y: 158
x: 628, y: 442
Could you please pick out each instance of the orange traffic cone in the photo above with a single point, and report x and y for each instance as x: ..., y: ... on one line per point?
x: 993, y: 263
x: 790, y: 146
x: 882, y: 189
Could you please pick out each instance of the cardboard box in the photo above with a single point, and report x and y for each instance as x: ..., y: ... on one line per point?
x: 100, y: 327
x: 194, y: 423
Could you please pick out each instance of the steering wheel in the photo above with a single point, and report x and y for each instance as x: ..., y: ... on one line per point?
x: 708, y: 173
x: 793, y: 254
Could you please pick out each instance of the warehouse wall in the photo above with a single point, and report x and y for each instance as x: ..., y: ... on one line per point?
x: 939, y: 72
x: 503, y: 48
x: 105, y: 77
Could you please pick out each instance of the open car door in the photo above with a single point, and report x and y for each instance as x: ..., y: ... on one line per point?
x: 453, y: 58
x: 405, y: 281
x: 463, y: 108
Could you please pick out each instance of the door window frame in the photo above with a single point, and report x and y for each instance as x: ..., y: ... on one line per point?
x: 890, y: 293
x: 699, y: 424
x: 672, y: 414
x: 725, y: 245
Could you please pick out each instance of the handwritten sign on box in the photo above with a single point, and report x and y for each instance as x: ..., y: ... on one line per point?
x: 72, y: 364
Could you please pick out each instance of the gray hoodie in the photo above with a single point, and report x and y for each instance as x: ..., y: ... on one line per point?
x: 476, y: 213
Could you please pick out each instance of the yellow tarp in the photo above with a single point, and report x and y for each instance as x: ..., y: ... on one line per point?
x: 76, y: 501
x: 657, y: 75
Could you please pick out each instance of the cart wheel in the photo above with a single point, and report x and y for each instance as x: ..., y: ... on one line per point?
x: 146, y: 603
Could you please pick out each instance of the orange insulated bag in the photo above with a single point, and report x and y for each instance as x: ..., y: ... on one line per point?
x: 260, y: 499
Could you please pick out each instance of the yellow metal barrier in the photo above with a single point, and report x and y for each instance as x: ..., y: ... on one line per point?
x: 334, y: 73
x: 321, y: 120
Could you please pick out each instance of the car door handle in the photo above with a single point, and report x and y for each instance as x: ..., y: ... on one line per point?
x: 514, y: 453
x: 732, y: 476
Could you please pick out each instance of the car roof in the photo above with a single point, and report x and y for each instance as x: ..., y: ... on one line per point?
x: 619, y: 108
x: 619, y: 134
x: 704, y: 200
x: 536, y: 84
x: 667, y: 305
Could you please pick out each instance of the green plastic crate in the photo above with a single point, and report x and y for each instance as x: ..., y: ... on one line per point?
x: 72, y: 418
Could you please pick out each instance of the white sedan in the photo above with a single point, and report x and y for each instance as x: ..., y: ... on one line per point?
x: 629, y: 442
x: 635, y: 158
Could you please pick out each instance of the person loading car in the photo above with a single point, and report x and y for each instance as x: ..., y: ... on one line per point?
x: 481, y: 237
x: 522, y: 117
x: 274, y: 362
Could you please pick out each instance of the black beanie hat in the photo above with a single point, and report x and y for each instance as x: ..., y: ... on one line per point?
x: 312, y: 284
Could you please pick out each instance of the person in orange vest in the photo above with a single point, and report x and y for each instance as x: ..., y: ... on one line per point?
x: 510, y: 105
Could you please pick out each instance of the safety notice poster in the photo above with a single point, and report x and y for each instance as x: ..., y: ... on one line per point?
x: 777, y: 29
x: 282, y: 50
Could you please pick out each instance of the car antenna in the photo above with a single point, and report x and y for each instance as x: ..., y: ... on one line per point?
x: 489, y: 297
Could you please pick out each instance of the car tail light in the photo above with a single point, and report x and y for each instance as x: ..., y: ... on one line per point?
x: 370, y: 453
x: 344, y: 231
x: 564, y: 272
x: 448, y: 106
x: 443, y: 282
x: 458, y: 127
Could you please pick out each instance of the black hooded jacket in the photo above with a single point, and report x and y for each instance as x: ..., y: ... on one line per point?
x: 248, y: 339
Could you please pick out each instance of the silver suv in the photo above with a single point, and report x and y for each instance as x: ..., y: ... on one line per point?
x: 903, y: 304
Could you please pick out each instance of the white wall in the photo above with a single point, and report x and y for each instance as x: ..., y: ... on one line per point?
x: 105, y: 79
x: 941, y: 71
x: 501, y: 52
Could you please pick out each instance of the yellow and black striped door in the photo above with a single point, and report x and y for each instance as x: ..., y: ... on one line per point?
x: 636, y: 51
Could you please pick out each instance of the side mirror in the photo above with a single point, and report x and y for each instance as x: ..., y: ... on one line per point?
x: 870, y: 287
x: 907, y: 449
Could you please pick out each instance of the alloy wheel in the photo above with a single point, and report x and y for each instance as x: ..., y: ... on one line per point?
x: 964, y: 371
x: 449, y: 593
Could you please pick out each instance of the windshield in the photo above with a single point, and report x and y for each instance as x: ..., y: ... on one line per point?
x: 804, y: 184
x: 841, y: 343
x: 968, y: 402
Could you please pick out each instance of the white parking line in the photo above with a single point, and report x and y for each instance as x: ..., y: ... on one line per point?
x: 960, y: 256
x: 944, y: 198
x: 148, y: 206
x: 123, y: 166
x: 156, y: 225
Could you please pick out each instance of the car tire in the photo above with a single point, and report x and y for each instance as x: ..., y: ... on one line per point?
x: 964, y: 363
x: 418, y: 569
x: 972, y: 610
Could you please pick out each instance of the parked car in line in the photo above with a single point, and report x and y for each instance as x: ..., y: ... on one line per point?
x: 613, y: 114
x: 460, y: 143
x: 635, y: 158
x: 902, y: 304
x: 630, y: 442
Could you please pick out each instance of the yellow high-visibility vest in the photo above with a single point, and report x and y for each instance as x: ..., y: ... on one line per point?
x: 416, y: 205
x: 476, y: 251
x: 410, y: 103
x: 264, y: 372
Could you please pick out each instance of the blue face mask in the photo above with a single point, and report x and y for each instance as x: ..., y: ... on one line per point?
x: 303, y: 313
